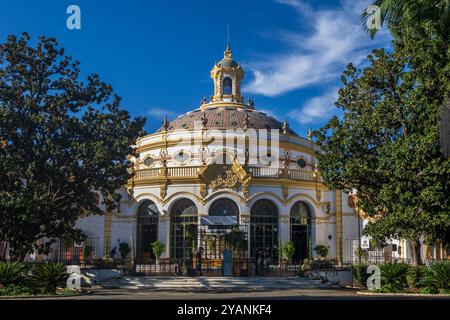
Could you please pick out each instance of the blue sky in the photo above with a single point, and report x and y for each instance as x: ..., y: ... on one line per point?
x: 157, y: 54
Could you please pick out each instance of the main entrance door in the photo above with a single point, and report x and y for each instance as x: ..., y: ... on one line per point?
x: 300, y: 218
x: 147, y: 231
x: 299, y: 236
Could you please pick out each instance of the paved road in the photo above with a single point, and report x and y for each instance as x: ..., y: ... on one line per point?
x: 204, y: 288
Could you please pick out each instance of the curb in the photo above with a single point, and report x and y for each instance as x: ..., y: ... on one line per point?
x: 418, y: 295
x: 44, y: 296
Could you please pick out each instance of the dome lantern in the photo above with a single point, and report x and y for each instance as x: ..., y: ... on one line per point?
x: 227, y: 76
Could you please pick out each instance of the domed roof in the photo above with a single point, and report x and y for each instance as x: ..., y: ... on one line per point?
x: 227, y: 63
x: 226, y: 118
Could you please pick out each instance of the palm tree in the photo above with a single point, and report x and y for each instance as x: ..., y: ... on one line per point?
x: 414, y: 11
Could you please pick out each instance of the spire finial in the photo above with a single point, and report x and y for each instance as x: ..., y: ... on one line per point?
x: 228, y: 37
x: 285, y: 126
x: 165, y: 123
x: 310, y: 133
x: 227, y: 53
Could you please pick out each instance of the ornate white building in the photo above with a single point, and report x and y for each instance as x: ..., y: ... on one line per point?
x: 261, y: 177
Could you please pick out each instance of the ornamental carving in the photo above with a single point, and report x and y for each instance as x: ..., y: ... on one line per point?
x: 163, y: 191
x: 245, y: 191
x: 203, y: 191
x: 227, y: 179
x: 318, y: 195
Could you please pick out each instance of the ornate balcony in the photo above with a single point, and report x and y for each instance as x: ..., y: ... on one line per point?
x: 255, y: 172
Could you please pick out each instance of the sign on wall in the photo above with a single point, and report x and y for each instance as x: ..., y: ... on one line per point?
x: 219, y: 220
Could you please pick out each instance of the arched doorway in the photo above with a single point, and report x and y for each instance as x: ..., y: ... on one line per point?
x: 222, y: 219
x: 264, y: 230
x: 183, y: 228
x: 147, y: 231
x: 300, y: 218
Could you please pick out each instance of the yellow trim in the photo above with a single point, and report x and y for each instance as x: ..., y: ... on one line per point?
x: 107, y: 234
x: 218, y: 193
x: 339, y: 249
x: 286, y: 145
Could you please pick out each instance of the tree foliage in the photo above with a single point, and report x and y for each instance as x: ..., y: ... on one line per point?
x: 61, y: 139
x: 386, y: 145
x: 413, y: 12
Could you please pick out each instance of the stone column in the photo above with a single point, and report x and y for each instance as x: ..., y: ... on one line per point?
x: 284, y: 232
x: 339, y: 251
x: 244, y: 220
x: 164, y: 234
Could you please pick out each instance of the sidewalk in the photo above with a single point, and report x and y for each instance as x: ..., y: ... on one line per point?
x: 222, y: 284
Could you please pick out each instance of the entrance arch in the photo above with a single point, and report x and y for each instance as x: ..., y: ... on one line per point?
x: 264, y: 229
x: 223, y: 207
x: 183, y: 228
x: 222, y: 219
x: 147, y: 230
x: 300, y: 221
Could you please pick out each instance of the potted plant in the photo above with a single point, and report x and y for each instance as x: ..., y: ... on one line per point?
x: 211, y: 246
x: 322, y: 251
x: 87, y: 253
x: 288, y: 249
x: 158, y: 249
x: 236, y: 241
x: 124, y: 250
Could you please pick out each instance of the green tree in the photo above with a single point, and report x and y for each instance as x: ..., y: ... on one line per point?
x: 434, y: 15
x: 386, y: 145
x: 61, y: 139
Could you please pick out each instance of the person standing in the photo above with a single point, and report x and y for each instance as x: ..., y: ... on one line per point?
x: 198, y: 261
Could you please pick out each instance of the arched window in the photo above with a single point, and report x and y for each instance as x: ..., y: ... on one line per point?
x: 300, y: 213
x: 223, y: 207
x: 264, y: 229
x: 147, y: 230
x: 300, y: 218
x: 183, y: 228
x: 227, y: 86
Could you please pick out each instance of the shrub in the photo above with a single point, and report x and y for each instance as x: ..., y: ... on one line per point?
x: 413, y: 276
x: 48, y: 276
x: 87, y: 251
x: 360, y: 275
x: 437, y: 276
x: 321, y: 250
x: 363, y: 253
x: 124, y: 250
x: 428, y: 290
x: 393, y: 275
x: 307, y: 265
x: 104, y: 263
x: 11, y: 273
x: 16, y: 290
x: 288, y: 250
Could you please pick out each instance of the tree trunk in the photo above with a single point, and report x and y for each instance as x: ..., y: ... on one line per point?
x: 5, y: 248
x: 415, y: 252
x: 444, y: 128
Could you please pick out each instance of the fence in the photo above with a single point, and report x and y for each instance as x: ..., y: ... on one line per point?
x: 373, y: 255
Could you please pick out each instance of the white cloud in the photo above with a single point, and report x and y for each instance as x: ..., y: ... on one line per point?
x: 159, y: 113
x: 317, y: 57
x: 316, y: 108
x: 268, y: 112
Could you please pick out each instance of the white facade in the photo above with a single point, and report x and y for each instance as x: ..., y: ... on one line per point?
x: 280, y: 201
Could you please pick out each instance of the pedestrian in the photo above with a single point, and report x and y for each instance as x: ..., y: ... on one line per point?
x: 198, y: 261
